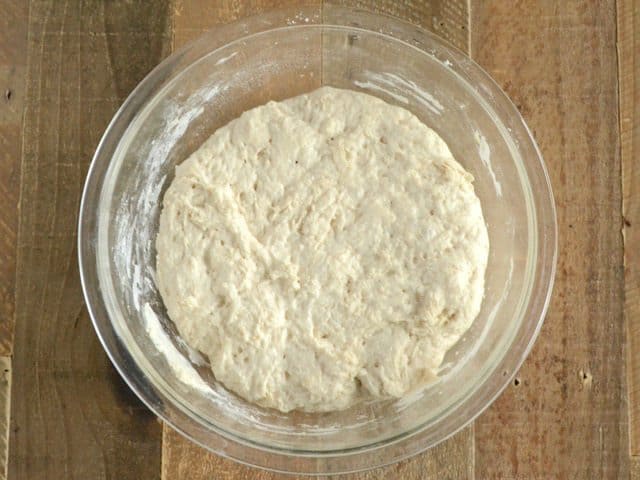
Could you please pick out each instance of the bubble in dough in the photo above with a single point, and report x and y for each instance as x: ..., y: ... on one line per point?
x: 322, y: 250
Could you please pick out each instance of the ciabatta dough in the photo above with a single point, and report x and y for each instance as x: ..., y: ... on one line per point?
x: 321, y: 250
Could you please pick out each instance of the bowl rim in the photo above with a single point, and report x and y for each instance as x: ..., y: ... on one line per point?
x: 320, y: 462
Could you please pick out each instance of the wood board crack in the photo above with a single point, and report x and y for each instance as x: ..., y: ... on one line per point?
x: 628, y: 16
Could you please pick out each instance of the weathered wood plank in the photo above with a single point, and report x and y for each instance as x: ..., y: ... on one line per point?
x: 5, y: 410
x: 72, y: 416
x: 629, y: 78
x: 182, y: 459
x: 567, y: 417
x: 448, y: 18
x: 13, y: 62
x: 192, y: 18
x: 634, y: 468
x: 185, y: 460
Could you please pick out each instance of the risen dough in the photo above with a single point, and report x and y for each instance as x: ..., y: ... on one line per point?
x: 321, y: 250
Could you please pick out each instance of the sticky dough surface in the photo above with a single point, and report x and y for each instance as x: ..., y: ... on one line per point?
x: 322, y: 250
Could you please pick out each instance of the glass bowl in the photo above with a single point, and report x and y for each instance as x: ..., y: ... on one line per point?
x: 271, y: 57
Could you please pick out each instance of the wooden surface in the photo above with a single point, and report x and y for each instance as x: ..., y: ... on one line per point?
x: 13, y: 66
x: 567, y: 418
x: 448, y: 18
x: 183, y: 459
x: 72, y: 417
x: 629, y: 74
x: 13, y: 63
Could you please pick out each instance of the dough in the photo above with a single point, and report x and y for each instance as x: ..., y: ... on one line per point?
x: 322, y: 250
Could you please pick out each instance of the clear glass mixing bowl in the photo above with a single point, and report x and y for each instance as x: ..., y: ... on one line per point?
x: 272, y: 57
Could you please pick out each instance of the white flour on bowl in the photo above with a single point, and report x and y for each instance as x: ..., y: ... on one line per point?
x: 322, y: 250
